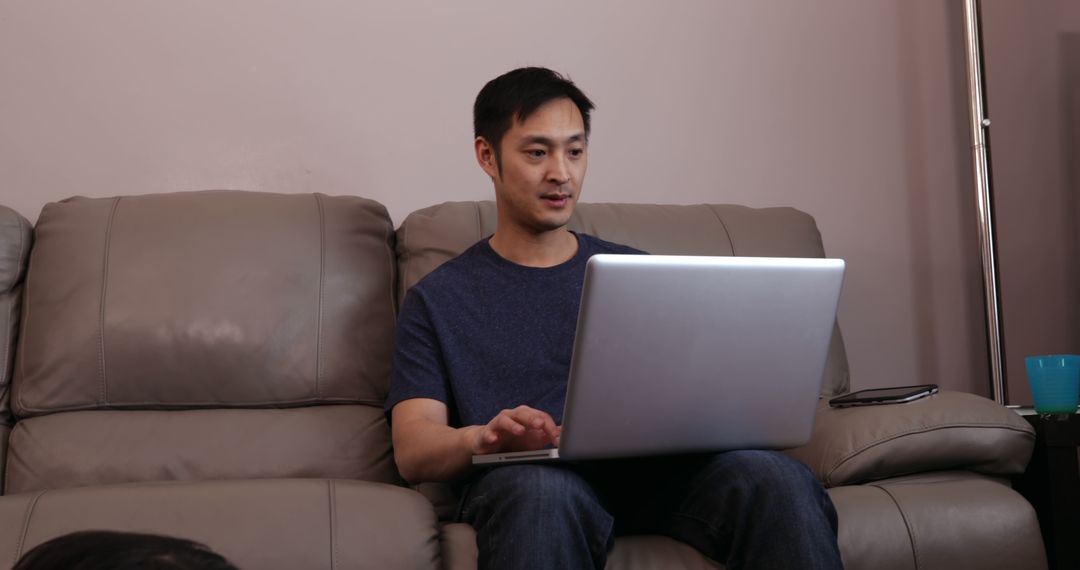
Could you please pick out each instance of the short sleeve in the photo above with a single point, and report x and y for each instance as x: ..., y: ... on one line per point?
x: 418, y: 367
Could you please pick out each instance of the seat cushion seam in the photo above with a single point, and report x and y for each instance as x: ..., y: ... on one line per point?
x: 7, y: 460
x: 104, y: 396
x: 723, y: 226
x: 907, y: 525
x: 331, y: 488
x: 319, y: 313
x: 26, y: 526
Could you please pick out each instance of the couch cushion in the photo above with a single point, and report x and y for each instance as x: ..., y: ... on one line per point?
x: 207, y: 299
x: 15, y: 239
x: 10, y: 305
x: 269, y: 524
x: 949, y: 430
x: 431, y: 236
x: 79, y: 449
x: 956, y: 522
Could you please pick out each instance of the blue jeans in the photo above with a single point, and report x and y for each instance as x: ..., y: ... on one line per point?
x: 745, y: 509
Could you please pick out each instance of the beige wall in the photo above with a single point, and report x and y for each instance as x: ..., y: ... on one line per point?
x: 851, y: 110
x: 1033, y: 89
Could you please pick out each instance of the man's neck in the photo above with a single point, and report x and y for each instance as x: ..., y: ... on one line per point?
x: 545, y: 249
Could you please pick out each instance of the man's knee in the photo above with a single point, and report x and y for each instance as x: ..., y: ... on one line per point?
x: 764, y: 467
x: 523, y: 485
x: 766, y: 474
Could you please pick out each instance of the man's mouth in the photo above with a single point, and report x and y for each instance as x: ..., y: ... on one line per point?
x: 556, y: 199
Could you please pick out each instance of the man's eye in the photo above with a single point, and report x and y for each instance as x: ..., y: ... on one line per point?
x: 535, y: 153
x: 577, y: 152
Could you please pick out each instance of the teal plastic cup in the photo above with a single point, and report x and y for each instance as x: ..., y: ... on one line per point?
x: 1055, y: 382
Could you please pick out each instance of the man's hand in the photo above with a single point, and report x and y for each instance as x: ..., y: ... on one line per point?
x: 427, y: 449
x: 520, y: 429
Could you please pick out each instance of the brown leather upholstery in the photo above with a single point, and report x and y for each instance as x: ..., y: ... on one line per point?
x: 15, y: 242
x: 222, y: 298
x: 107, y: 447
x: 258, y: 525
x: 219, y: 301
x: 952, y: 521
x: 949, y: 430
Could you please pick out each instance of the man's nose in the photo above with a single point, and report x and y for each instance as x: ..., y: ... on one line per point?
x: 559, y: 173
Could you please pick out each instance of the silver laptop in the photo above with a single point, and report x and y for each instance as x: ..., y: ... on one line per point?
x: 683, y: 354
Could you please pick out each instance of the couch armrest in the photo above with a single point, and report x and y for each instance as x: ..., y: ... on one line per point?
x: 949, y: 430
x: 457, y: 545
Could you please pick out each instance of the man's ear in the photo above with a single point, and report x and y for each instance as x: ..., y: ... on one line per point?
x: 485, y: 156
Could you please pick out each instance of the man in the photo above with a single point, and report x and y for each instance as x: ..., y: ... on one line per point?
x: 481, y: 363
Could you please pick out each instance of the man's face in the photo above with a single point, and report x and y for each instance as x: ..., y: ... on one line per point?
x: 543, y: 166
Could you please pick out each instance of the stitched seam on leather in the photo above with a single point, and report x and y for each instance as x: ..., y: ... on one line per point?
x: 26, y: 526
x: 101, y: 314
x: 15, y: 275
x: 7, y: 342
x: 405, y: 261
x: 260, y: 405
x: 23, y: 244
x: 392, y: 267
x: 24, y: 323
x: 14, y: 218
x: 24, y: 248
x: 322, y: 274
x: 332, y: 491
x: 24, y: 334
x: 924, y: 429
x: 907, y: 525
x: 7, y: 460
x: 723, y: 226
x: 7, y: 463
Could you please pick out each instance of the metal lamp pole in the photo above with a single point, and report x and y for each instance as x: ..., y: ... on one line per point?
x: 980, y: 126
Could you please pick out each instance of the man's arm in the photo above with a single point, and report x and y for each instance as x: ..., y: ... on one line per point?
x: 426, y: 448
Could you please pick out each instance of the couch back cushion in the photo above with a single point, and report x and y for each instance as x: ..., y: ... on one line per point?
x: 204, y: 335
x: 431, y: 236
x: 206, y: 300
x: 15, y: 239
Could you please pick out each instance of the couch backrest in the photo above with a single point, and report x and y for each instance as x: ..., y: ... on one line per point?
x: 245, y: 314
x: 15, y: 240
x: 433, y: 235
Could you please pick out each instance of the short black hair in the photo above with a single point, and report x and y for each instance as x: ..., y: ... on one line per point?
x: 109, y: 550
x: 517, y: 94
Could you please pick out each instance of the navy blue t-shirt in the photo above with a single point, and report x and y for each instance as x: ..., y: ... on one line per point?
x: 483, y: 334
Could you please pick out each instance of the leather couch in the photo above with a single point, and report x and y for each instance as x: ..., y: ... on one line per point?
x: 212, y: 365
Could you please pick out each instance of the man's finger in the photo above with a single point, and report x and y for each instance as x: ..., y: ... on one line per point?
x: 509, y: 424
x: 533, y: 418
